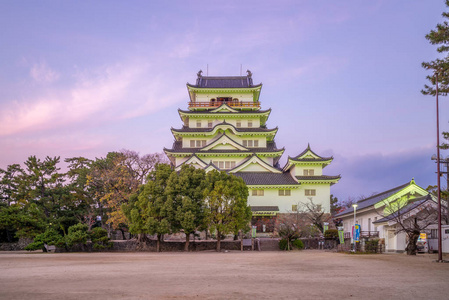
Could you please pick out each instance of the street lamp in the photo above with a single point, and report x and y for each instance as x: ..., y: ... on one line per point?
x: 353, y: 229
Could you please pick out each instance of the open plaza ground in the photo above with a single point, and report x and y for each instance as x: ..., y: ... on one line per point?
x: 309, y: 274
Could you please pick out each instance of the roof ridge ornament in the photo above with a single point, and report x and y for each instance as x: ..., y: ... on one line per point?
x: 200, y: 77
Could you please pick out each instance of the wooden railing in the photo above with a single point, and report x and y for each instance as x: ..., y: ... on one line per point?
x: 367, y: 234
x: 229, y: 103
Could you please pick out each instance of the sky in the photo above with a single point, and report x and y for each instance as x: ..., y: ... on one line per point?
x: 83, y: 78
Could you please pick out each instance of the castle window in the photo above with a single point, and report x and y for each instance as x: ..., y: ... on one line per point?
x: 284, y: 192
x: 238, y: 123
x: 198, y: 124
x: 257, y: 193
x: 224, y: 164
x: 209, y: 124
x: 250, y: 143
x: 197, y: 143
x: 250, y: 124
x: 308, y: 172
x: 310, y: 192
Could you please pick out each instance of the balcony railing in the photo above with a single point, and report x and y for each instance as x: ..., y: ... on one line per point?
x: 237, y: 104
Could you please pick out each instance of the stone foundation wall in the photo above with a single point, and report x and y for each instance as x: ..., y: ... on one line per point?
x: 20, y: 245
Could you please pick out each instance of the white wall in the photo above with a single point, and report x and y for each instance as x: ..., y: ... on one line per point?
x: 271, y: 198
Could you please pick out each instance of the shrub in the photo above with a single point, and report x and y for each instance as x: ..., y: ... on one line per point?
x: 99, y: 238
x: 77, y: 235
x: 297, y: 244
x: 283, y: 244
x: 49, y: 237
x: 331, y: 234
x: 371, y: 245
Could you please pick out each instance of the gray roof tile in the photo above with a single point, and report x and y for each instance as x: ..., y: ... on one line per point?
x: 266, y: 178
x: 264, y: 208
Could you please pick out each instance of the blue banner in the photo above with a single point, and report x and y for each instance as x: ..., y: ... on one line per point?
x: 357, y: 233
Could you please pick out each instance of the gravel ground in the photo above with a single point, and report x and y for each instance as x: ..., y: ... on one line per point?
x: 309, y: 274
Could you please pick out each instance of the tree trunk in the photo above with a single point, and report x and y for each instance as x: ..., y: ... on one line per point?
x: 218, y: 241
x: 123, y: 234
x: 411, y: 246
x: 186, y: 248
x: 158, y: 242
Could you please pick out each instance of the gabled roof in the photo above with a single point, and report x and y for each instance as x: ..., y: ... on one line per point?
x: 379, y: 198
x: 224, y: 108
x: 417, y: 202
x: 254, y: 159
x: 307, y: 157
x: 211, y: 167
x: 266, y: 178
x: 193, y: 160
x: 224, y: 139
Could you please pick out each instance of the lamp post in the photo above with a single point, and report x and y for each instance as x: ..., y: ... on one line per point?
x: 353, y: 229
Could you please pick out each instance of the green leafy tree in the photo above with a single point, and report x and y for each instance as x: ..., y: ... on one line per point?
x: 226, y: 203
x: 335, y: 205
x: 86, y: 205
x: 439, y: 67
x: 9, y: 184
x: 185, y: 201
x: 147, y: 211
x: 118, y: 176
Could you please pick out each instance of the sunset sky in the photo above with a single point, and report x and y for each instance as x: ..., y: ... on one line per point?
x: 82, y: 78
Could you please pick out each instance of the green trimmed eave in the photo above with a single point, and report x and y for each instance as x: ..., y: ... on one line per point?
x: 274, y: 186
x: 242, y: 115
x: 264, y: 213
x: 270, y: 135
x: 291, y: 163
x: 411, y: 191
x: 320, y: 181
x: 170, y: 157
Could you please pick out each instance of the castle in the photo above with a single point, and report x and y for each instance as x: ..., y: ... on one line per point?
x: 225, y: 129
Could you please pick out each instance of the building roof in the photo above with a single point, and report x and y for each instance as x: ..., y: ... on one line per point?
x: 224, y: 81
x: 410, y: 206
x: 177, y: 147
x: 264, y: 208
x: 308, y: 149
x: 239, y: 112
x: 252, y: 129
x: 364, y: 203
x: 266, y: 178
x: 320, y: 177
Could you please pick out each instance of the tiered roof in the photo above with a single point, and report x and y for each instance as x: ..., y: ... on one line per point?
x: 254, y: 170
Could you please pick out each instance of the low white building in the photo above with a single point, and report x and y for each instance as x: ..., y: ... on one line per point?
x: 371, y: 215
